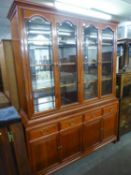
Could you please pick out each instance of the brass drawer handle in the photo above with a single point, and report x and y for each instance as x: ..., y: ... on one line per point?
x: 71, y: 124
x: 44, y: 131
x: 0, y: 133
x: 60, y: 147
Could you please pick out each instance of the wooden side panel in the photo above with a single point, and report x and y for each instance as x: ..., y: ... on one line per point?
x: 5, y: 79
x: 18, y: 63
x: 10, y: 68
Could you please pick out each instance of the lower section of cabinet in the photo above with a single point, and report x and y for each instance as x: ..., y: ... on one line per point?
x: 53, y: 145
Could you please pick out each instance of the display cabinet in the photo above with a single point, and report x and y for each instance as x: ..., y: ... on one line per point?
x: 124, y: 84
x: 124, y: 55
x: 65, y: 67
x: 124, y: 95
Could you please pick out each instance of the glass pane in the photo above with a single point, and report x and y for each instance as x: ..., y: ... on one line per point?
x: 41, y: 60
x: 129, y: 57
x: 107, y: 61
x: 67, y: 62
x: 90, y: 47
x: 120, y: 60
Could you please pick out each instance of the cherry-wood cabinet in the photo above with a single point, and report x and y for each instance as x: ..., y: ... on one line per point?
x: 65, y: 68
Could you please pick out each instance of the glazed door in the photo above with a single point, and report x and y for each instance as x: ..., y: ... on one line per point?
x: 67, y: 60
x: 107, y: 61
x: 41, y: 63
x: 90, y: 62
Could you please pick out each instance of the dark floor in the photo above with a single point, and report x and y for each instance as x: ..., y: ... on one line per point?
x: 112, y: 159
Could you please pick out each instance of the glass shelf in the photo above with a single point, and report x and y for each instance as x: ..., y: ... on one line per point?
x: 41, y: 65
x: 107, y: 62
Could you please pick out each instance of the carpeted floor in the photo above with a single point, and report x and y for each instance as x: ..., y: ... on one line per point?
x: 112, y: 159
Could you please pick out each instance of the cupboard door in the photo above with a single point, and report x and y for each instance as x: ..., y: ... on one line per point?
x: 92, y: 133
x: 40, y: 53
x: 107, y: 60
x: 70, y: 141
x: 90, y: 60
x: 109, y: 126
x: 67, y: 49
x: 44, y: 153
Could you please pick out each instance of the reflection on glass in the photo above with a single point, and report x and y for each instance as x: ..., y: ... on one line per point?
x: 67, y: 62
x: 90, y: 47
x: 121, y: 60
x: 129, y: 57
x: 107, y: 61
x: 124, y: 56
x: 41, y: 61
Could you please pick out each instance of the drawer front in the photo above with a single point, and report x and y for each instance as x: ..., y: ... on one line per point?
x: 93, y: 114
x: 43, y: 131
x: 70, y: 123
x: 110, y: 109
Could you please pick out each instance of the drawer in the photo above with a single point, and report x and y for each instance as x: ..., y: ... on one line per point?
x: 110, y: 109
x: 43, y: 131
x: 70, y: 123
x: 93, y: 114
